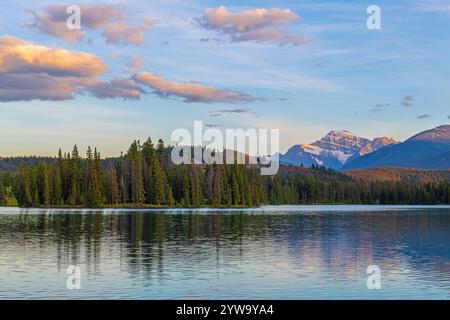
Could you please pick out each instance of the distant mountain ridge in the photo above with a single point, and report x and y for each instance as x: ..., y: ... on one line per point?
x: 438, y: 134
x: 334, y: 150
x: 429, y: 149
x: 342, y: 150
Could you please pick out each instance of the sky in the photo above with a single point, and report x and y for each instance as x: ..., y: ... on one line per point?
x: 138, y: 68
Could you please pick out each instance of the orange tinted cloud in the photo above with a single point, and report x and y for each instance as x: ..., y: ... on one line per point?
x: 19, y: 56
x: 247, y: 20
x: 261, y: 25
x: 29, y: 71
x: 111, y: 19
x: 135, y: 63
x: 190, y: 91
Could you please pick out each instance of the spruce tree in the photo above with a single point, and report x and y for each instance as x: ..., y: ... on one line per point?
x: 76, y: 178
x: 186, y: 190
x: 135, y: 159
x: 2, y: 193
x: 112, y: 188
x: 43, y: 187
x: 57, y: 195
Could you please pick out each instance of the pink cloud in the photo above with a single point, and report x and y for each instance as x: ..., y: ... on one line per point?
x: 19, y: 56
x: 190, y: 91
x: 135, y: 63
x: 29, y: 71
x: 260, y: 25
x: 247, y: 20
x: 111, y: 19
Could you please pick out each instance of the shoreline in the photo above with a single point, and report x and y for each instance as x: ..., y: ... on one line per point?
x: 295, y: 207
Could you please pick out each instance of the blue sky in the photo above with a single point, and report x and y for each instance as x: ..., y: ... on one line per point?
x: 340, y: 75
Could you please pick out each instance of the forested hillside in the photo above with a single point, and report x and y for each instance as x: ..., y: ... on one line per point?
x: 400, y: 174
x: 145, y: 176
x: 11, y: 164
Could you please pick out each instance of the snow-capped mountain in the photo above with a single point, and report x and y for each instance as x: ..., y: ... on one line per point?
x: 334, y: 150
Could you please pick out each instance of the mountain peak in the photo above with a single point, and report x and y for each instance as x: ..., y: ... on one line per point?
x: 342, y: 140
x: 335, y: 149
x: 429, y: 149
x: 341, y: 149
x: 438, y: 134
x: 341, y: 133
x: 377, y: 144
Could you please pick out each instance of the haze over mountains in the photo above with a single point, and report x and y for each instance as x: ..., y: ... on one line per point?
x: 343, y: 150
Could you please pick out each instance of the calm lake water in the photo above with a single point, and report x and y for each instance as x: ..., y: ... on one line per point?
x: 294, y: 252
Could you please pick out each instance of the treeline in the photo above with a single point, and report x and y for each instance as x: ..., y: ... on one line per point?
x: 309, y: 189
x: 3, y: 201
x: 401, y: 174
x: 145, y: 176
x: 11, y: 164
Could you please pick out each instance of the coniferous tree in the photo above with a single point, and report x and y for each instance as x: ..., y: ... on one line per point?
x: 145, y: 175
x: 112, y: 186
x: 2, y: 194
x: 56, y: 182
x: 186, y: 190
x: 98, y: 179
x: 76, y: 179
x: 124, y: 180
x: 43, y: 185
x: 89, y: 179
x: 135, y: 159
x: 23, y: 191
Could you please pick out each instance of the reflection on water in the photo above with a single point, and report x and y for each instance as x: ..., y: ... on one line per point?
x: 281, y: 253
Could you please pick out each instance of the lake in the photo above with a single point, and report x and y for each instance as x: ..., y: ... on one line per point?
x: 280, y: 252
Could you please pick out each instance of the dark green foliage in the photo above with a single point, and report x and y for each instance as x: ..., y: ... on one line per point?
x: 2, y: 194
x: 146, y: 176
x: 11, y: 164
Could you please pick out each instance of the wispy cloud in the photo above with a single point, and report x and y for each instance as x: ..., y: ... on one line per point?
x: 258, y: 25
x: 378, y: 107
x: 236, y: 111
x: 190, y: 91
x: 215, y: 40
x: 423, y: 116
x: 407, y: 101
x: 135, y: 63
x: 433, y: 6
